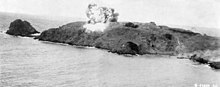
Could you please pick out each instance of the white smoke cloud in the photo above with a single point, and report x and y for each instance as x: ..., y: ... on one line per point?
x: 99, y: 17
x: 95, y: 27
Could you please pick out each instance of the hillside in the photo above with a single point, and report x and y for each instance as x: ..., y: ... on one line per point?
x: 125, y: 38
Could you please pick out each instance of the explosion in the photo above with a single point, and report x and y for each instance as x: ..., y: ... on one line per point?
x: 95, y: 27
x: 99, y: 17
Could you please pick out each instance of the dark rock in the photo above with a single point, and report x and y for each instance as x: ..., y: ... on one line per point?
x: 21, y: 28
x: 134, y: 48
x: 215, y: 65
x: 153, y: 23
x: 168, y: 36
x: 130, y: 48
x: 130, y: 24
x: 198, y: 59
x: 201, y: 60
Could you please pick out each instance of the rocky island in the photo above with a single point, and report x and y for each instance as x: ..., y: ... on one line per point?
x: 21, y: 28
x: 125, y: 37
x: 128, y: 37
x: 147, y: 38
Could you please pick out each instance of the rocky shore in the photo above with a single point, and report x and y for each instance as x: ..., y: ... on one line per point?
x: 207, y: 57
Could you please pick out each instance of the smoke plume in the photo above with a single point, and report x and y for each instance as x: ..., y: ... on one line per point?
x: 99, y: 17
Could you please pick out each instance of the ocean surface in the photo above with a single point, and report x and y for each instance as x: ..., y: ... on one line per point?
x: 25, y: 62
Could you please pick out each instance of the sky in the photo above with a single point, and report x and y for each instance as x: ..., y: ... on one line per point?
x: 199, y: 13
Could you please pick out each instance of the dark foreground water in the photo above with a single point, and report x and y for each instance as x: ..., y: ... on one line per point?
x: 25, y: 62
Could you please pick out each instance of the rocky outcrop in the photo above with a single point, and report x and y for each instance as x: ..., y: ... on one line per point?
x: 215, y: 65
x: 130, y: 24
x: 147, y: 38
x: 204, y: 57
x: 198, y: 59
x: 21, y: 28
x: 201, y: 60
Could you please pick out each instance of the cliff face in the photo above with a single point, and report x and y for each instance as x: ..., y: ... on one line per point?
x: 21, y: 28
x: 136, y: 38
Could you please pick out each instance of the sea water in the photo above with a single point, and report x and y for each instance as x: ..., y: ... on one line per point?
x: 25, y: 62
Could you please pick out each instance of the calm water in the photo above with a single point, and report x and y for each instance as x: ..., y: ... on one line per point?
x: 25, y: 62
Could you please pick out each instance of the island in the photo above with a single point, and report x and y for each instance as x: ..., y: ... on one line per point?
x: 133, y: 38
x: 21, y: 28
